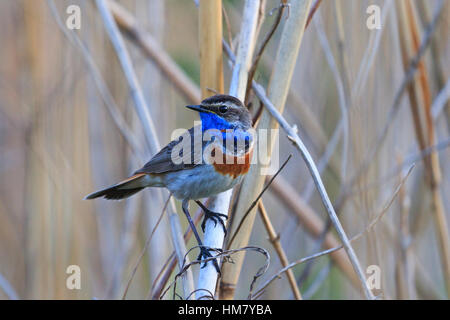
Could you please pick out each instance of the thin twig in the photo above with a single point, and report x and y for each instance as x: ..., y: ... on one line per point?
x: 314, y: 225
x: 404, y: 265
x: 151, y: 48
x: 343, y: 98
x: 369, y: 54
x: 228, y: 26
x: 225, y: 254
x: 128, y: 70
x: 318, y: 281
x: 312, y: 11
x: 293, y: 136
x: 280, y: 81
x: 8, y: 289
x: 409, y: 160
x: 260, y: 51
x: 441, y: 100
x: 147, y: 243
x: 214, y: 234
x: 105, y: 94
x: 180, y: 253
x: 409, y: 76
x: 162, y: 278
x: 209, y: 295
x: 325, y: 252
x: 139, y: 103
x: 255, y: 202
x: 274, y: 238
x: 420, y: 105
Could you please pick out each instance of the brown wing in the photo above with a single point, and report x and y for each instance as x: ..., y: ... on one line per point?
x: 176, y: 156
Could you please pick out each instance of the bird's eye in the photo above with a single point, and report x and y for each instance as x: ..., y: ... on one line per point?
x: 223, y: 109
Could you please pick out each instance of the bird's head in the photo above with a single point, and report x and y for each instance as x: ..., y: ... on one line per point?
x: 223, y: 112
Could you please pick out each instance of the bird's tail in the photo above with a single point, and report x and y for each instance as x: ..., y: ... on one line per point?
x: 121, y: 190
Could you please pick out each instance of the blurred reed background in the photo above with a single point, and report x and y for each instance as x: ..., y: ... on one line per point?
x: 59, y: 142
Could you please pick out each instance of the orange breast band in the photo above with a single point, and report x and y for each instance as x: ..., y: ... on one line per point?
x: 234, y: 165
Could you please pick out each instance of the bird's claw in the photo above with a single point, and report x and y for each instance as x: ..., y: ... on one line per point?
x: 205, y: 254
x: 216, y: 217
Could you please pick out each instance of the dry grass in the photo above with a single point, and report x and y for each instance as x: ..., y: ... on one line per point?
x: 61, y: 138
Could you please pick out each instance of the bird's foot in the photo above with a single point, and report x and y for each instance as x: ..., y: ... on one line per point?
x: 205, y: 254
x: 216, y: 217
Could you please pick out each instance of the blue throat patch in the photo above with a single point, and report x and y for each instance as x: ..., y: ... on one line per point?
x: 213, y: 121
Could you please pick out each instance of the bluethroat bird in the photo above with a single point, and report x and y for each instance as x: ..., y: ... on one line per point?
x: 201, y: 168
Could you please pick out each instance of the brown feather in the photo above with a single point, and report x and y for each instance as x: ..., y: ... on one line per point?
x: 239, y: 165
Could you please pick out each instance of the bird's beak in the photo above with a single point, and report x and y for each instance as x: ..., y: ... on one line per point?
x: 198, y: 108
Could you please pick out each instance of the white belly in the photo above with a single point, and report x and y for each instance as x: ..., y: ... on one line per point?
x: 198, y: 182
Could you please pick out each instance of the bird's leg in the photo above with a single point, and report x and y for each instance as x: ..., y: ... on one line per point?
x: 204, y: 252
x: 214, y: 216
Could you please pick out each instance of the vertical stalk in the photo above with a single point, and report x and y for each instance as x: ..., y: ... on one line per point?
x: 420, y: 103
x: 144, y: 115
x: 210, y: 40
x: 279, y: 86
x: 404, y: 274
x: 314, y: 225
x: 211, y: 78
x: 214, y: 234
x: 275, y: 240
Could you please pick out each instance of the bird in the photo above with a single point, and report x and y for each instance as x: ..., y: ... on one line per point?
x: 204, y: 161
